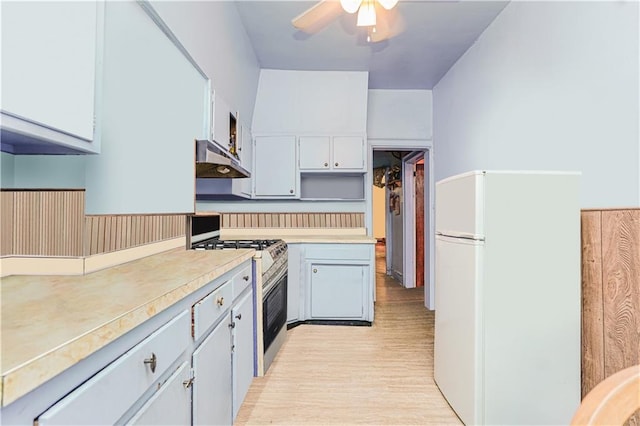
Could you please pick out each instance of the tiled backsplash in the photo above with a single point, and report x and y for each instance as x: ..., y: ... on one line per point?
x: 292, y: 220
x: 53, y: 223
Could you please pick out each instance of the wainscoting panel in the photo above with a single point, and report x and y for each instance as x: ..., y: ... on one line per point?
x: 42, y: 222
x: 610, y: 294
x: 292, y: 220
x: 109, y: 233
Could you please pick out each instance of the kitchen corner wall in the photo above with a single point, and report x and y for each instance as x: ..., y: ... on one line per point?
x: 551, y: 86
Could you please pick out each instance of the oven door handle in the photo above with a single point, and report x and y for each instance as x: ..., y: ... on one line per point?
x: 274, y: 280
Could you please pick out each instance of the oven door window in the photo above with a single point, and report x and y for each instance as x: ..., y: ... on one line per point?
x: 274, y: 315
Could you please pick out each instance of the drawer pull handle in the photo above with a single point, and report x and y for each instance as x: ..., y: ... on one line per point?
x: 336, y: 164
x: 187, y: 383
x: 326, y: 164
x: 291, y: 191
x: 220, y: 301
x: 246, y: 278
x: 152, y: 362
x: 315, y: 271
x: 239, y: 316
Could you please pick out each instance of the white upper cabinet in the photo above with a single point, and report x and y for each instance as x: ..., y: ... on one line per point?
x: 51, y: 52
x: 337, y: 153
x: 221, y: 120
x: 154, y: 106
x: 275, y: 174
x: 315, y: 152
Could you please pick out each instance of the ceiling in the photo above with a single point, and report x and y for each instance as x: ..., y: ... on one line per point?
x: 435, y: 35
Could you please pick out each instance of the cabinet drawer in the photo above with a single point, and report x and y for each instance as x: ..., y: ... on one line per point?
x: 339, y: 251
x: 105, y: 397
x: 171, y: 405
x: 241, y: 281
x: 209, y: 309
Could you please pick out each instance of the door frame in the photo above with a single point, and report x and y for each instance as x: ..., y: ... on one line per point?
x: 426, y: 148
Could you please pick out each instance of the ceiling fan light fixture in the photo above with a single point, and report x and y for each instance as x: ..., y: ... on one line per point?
x: 366, y: 14
x: 350, y: 6
x: 388, y: 4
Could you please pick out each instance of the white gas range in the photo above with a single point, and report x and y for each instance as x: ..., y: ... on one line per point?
x: 270, y: 281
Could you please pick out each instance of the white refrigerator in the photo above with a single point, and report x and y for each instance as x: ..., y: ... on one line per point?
x: 507, y: 296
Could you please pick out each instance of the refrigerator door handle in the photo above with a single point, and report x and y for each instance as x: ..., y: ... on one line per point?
x: 464, y: 235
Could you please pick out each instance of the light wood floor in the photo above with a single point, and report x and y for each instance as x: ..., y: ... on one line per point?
x: 381, y: 374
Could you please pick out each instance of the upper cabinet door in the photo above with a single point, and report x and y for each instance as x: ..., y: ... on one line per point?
x: 348, y: 152
x: 315, y: 152
x: 49, y: 53
x: 275, y: 174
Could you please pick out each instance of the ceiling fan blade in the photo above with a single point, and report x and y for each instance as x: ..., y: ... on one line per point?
x: 389, y: 23
x: 317, y: 16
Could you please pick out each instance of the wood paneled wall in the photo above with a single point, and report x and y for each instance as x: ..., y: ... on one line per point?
x: 42, y: 222
x: 108, y: 233
x: 610, y: 294
x: 53, y: 223
x: 292, y: 220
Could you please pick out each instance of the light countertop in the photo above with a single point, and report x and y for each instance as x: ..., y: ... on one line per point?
x: 49, y: 323
x: 302, y: 235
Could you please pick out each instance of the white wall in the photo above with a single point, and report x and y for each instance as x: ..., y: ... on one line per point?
x: 213, y: 34
x: 42, y: 171
x: 7, y: 167
x: 49, y: 171
x: 399, y: 114
x: 548, y: 85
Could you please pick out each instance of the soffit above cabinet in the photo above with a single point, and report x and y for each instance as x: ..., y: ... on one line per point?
x: 308, y: 102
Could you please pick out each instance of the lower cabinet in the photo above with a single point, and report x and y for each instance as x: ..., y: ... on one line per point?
x: 192, y: 363
x: 337, y: 291
x: 125, y: 380
x: 212, y: 378
x: 294, y: 293
x: 223, y: 364
x: 336, y: 283
x: 171, y: 405
x: 242, y: 359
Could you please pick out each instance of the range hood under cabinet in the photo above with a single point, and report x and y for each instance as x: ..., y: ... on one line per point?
x: 213, y: 161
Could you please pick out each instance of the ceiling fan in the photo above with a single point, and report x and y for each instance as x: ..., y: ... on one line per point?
x: 375, y: 15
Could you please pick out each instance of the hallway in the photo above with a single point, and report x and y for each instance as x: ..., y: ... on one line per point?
x: 342, y: 375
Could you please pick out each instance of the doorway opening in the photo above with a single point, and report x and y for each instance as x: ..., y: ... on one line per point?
x: 401, y: 213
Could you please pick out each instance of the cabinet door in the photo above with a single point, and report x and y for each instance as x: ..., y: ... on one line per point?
x: 221, y: 120
x: 49, y: 64
x: 275, y: 172
x: 171, y: 405
x: 246, y: 158
x: 337, y: 291
x: 242, y: 317
x: 348, y: 152
x: 212, y: 383
x: 315, y: 152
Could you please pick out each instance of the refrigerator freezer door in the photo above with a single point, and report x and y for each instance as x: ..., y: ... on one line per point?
x: 457, y: 347
x: 460, y: 206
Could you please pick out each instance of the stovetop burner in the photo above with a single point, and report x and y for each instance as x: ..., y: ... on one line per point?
x: 217, y: 244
